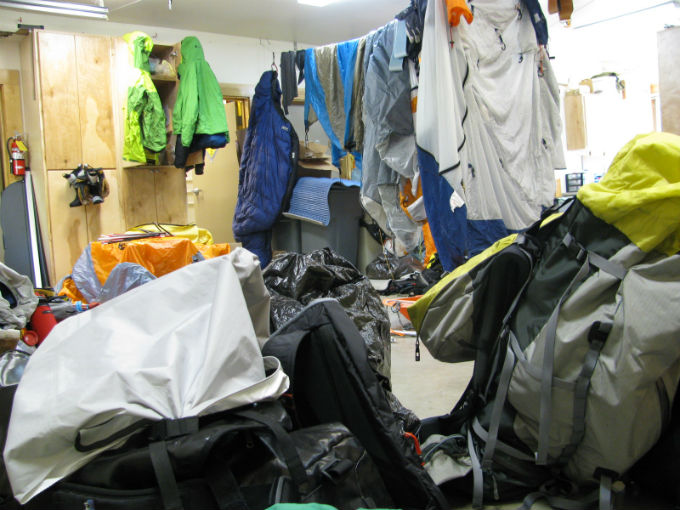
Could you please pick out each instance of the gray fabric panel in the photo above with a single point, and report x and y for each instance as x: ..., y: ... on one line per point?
x: 642, y: 347
x: 389, y: 139
x: 447, y: 329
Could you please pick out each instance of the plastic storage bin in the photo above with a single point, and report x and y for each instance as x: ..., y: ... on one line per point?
x: 286, y: 235
x: 342, y: 233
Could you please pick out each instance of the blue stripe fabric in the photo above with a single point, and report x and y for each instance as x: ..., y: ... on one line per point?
x: 310, y: 197
x: 455, y: 237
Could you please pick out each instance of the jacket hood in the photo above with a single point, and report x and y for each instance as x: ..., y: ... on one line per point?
x: 192, y: 50
x: 640, y: 193
x: 269, y: 86
x: 140, y: 46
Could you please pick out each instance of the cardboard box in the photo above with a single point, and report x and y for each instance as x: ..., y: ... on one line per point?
x: 320, y: 167
x: 312, y: 151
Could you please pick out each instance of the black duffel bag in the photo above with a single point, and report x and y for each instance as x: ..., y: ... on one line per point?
x: 237, y: 460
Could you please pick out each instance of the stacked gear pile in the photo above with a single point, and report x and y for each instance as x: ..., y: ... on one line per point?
x: 145, y: 119
x: 89, y: 184
x: 569, y: 325
x: 105, y: 270
x: 198, y: 119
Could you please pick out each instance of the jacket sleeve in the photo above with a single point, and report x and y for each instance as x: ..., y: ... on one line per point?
x: 132, y: 144
x: 185, y: 114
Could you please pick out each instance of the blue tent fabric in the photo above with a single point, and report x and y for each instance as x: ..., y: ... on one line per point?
x: 456, y: 237
x: 267, y: 171
x: 538, y: 20
x: 310, y: 197
x: 316, y: 99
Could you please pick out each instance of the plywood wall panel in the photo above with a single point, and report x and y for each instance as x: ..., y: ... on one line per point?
x: 60, y: 105
x: 93, y: 60
x: 69, y: 230
x: 669, y: 79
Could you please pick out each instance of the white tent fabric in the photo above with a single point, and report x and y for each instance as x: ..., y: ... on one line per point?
x: 486, y: 113
x: 183, y: 345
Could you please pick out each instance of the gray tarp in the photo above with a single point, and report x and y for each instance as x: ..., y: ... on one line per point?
x: 389, y: 139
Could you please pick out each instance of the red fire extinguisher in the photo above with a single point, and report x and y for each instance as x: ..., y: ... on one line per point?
x: 17, y: 155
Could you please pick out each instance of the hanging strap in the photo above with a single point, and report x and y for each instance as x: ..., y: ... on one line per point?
x: 500, y: 446
x: 286, y: 448
x: 477, y: 475
x: 165, y: 476
x: 597, y: 336
x: 545, y: 416
x: 497, y: 411
x: 223, y: 485
x: 561, y: 502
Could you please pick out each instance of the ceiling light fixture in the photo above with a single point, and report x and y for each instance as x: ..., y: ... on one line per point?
x: 316, y: 3
x: 63, y: 8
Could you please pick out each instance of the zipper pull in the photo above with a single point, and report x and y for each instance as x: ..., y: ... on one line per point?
x: 418, y: 348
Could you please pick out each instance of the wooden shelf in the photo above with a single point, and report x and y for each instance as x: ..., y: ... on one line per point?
x: 165, y: 79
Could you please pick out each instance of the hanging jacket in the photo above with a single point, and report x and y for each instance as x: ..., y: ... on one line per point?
x: 145, y: 119
x: 199, y: 108
x: 267, y: 173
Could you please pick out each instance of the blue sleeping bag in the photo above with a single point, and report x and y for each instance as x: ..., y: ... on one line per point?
x: 268, y: 169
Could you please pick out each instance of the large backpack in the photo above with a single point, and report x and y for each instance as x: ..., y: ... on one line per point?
x: 325, y: 357
x: 573, y: 328
x: 239, y: 459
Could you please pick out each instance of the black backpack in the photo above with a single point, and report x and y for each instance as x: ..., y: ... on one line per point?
x: 325, y: 357
x: 235, y: 460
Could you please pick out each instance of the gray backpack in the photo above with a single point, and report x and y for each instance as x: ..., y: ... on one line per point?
x: 574, y: 331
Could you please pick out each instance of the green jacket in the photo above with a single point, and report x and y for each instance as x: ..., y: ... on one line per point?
x: 199, y: 108
x: 145, y: 119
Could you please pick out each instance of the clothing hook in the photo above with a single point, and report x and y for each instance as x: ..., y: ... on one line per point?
x: 274, y: 67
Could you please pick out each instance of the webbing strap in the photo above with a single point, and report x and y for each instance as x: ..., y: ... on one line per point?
x: 285, y: 446
x: 597, y: 336
x: 613, y: 268
x: 160, y: 460
x: 477, y: 475
x: 606, y: 501
x: 497, y: 411
x: 561, y: 502
x: 223, y: 485
x: 500, y: 446
x: 545, y: 416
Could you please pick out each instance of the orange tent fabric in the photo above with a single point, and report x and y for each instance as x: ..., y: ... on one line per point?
x: 160, y: 256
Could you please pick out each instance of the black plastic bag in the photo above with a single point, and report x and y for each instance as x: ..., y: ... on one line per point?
x: 387, y: 266
x: 326, y: 274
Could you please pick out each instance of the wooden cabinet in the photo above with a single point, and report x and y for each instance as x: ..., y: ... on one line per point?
x: 75, y: 83
x: 71, y: 89
x: 154, y: 195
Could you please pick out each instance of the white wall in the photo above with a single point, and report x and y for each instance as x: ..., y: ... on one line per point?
x: 240, y: 60
x: 596, y: 43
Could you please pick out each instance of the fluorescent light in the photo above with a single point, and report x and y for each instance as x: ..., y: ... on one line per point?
x: 316, y: 3
x: 63, y: 8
